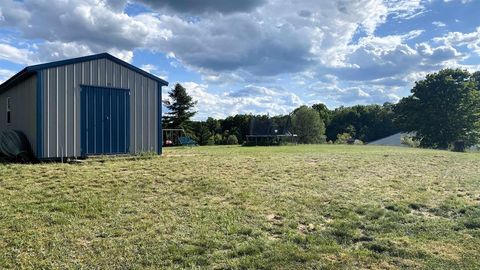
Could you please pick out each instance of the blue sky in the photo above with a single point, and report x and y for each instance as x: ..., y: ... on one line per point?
x: 254, y: 56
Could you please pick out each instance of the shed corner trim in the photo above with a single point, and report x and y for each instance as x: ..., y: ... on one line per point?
x: 159, y: 121
x: 39, y: 116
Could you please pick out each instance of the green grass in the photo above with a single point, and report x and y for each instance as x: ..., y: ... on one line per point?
x: 317, y: 207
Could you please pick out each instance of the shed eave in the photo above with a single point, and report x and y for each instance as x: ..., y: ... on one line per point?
x: 24, y: 73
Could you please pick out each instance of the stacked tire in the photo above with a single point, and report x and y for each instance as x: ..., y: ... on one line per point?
x: 14, y: 146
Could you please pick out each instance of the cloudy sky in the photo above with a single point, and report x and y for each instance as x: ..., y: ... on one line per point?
x: 254, y: 56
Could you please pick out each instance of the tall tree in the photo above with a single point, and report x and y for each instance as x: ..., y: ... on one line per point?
x: 213, y: 125
x: 364, y: 122
x: 443, y: 108
x: 324, y: 112
x: 238, y: 125
x: 204, y: 136
x: 179, y: 108
x: 476, y: 78
x: 308, y: 125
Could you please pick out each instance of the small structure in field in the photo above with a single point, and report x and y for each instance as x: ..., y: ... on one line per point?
x: 266, y: 132
x: 92, y: 105
x: 272, y: 139
x: 397, y: 139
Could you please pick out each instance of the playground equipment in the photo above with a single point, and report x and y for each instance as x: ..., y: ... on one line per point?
x: 176, y: 136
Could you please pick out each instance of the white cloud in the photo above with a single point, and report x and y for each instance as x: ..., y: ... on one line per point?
x: 5, y: 74
x: 336, y: 95
x: 16, y: 55
x: 439, y: 24
x: 51, y: 51
x: 470, y: 40
x: 75, y: 27
x: 461, y: 1
x: 149, y: 68
x: 56, y: 50
x: 256, y: 37
x: 376, y: 58
x: 155, y: 71
x: 406, y: 9
x: 252, y: 99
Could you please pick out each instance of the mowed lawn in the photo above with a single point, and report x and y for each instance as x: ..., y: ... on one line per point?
x: 293, y: 207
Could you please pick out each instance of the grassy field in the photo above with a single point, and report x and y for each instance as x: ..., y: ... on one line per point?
x: 317, y: 207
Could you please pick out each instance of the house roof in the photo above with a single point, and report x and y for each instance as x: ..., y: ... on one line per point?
x: 392, y: 140
x: 29, y: 70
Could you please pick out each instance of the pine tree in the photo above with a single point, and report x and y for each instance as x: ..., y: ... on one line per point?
x: 179, y: 108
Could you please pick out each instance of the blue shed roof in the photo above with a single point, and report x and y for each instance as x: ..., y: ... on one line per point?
x: 27, y: 71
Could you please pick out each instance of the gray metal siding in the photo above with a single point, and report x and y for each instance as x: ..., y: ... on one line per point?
x: 61, y: 91
x: 24, y: 104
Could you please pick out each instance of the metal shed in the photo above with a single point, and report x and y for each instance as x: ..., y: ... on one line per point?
x: 92, y: 105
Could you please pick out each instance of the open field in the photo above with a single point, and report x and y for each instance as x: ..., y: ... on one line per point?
x: 320, y: 207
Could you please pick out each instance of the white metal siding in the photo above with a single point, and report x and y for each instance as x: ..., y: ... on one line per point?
x: 61, y: 133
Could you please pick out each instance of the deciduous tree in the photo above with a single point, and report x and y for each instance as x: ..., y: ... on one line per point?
x: 443, y: 108
x: 308, y: 125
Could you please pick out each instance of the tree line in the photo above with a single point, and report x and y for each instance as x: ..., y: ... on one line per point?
x: 442, y: 109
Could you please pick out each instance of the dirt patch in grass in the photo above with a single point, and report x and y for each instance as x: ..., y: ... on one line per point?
x: 307, y: 228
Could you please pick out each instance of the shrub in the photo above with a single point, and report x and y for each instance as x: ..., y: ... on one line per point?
x: 218, y: 139
x: 232, y: 140
x: 409, y: 141
x: 343, y: 138
x: 211, y: 140
x: 357, y: 142
x: 459, y: 146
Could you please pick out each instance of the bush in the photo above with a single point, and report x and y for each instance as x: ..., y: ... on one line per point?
x: 409, y: 141
x: 211, y: 140
x: 343, y: 138
x: 218, y: 139
x: 322, y: 139
x: 459, y: 146
x: 232, y: 140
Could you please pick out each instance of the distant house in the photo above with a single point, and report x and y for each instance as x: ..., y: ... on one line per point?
x: 92, y: 105
x: 392, y: 140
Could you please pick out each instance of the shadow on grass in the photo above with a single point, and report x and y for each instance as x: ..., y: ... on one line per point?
x: 18, y: 160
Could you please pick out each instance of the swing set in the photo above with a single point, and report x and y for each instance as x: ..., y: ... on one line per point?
x: 176, y: 137
x: 171, y: 136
